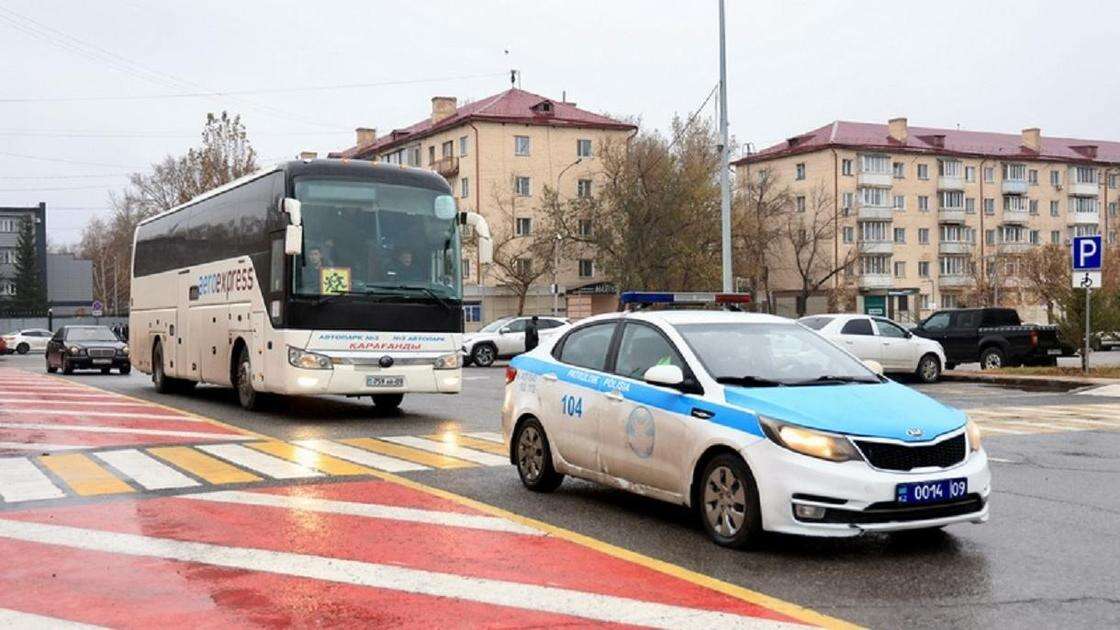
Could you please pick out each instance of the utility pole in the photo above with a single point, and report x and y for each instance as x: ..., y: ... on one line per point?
x: 724, y: 180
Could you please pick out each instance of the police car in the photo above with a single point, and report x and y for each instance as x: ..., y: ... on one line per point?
x: 755, y: 421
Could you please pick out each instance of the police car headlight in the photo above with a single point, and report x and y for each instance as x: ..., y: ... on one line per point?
x: 450, y: 361
x: 973, y: 431
x: 308, y: 360
x: 834, y: 448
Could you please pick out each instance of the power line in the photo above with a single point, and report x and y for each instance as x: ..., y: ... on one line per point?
x: 89, y: 176
x: 65, y: 160
x: 55, y: 188
x: 63, y: 133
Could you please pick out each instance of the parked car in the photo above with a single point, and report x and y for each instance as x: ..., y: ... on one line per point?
x: 882, y: 340
x: 1105, y: 340
x: 87, y: 347
x: 3, y: 347
x: 29, y: 340
x: 995, y: 337
x: 502, y: 338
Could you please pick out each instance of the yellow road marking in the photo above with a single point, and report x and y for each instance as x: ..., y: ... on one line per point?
x: 469, y: 442
x: 434, y: 460
x: 83, y: 475
x: 312, y: 459
x: 203, y: 466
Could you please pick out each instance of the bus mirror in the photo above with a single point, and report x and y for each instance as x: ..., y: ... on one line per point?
x: 485, y: 243
x: 445, y: 207
x: 293, y: 208
x: 293, y: 239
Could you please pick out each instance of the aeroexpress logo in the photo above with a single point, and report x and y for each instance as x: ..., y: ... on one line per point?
x: 240, y: 279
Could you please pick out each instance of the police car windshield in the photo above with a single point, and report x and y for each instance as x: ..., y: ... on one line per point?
x: 781, y: 353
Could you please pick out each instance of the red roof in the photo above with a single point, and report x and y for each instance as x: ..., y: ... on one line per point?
x: 857, y: 135
x: 512, y: 106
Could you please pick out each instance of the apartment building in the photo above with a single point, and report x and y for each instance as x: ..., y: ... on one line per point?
x: 925, y: 212
x: 10, y: 220
x: 498, y: 154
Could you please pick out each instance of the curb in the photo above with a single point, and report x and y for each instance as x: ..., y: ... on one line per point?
x: 1024, y: 379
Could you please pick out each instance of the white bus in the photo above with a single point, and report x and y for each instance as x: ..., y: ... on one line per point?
x: 314, y: 277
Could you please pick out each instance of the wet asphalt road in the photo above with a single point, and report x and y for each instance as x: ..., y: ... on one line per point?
x: 1049, y: 557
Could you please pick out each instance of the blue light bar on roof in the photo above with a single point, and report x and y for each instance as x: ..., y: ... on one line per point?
x: 653, y: 297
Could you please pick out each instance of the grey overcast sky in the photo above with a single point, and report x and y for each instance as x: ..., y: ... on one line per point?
x: 793, y: 66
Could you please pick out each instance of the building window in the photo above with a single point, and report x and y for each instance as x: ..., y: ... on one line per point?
x: 1054, y: 209
x: 953, y: 265
x: 1032, y: 177
x: 472, y: 313
x: 923, y: 171
x: 523, y: 266
x: 799, y: 172
x: 1055, y: 178
x: 414, y: 156
x: 990, y: 237
x: 524, y: 226
x: 873, y: 197
x: 431, y: 155
x: 1084, y: 204
x: 989, y: 174
x: 1034, y: 237
x: 949, y: 300
x: 849, y: 233
x: 875, y: 231
x: 1055, y: 236
x: 800, y: 203
x: 989, y: 205
x: 583, y: 148
x: 8, y: 225
x: 1111, y: 236
x: 845, y: 167
x: 521, y: 145
x: 586, y: 268
x: 583, y: 188
x: 899, y: 170
x: 952, y: 200
x: 923, y: 203
x: 970, y: 173
x: 1033, y: 206
x: 899, y: 269
x: 585, y: 227
x: 1112, y: 208
x: 447, y: 149
x: 970, y: 205
x: 923, y: 268
x: 923, y: 236
x: 1014, y: 203
x: 7, y: 287
x: 874, y: 265
x: 900, y: 235
x: 8, y: 256
x: 848, y: 200
x: 899, y: 203
x: 465, y: 187
x: 466, y: 267
x: 1015, y: 172
x: 522, y: 186
x: 1112, y: 180
x: 949, y: 168
x: 1084, y: 175
x: 463, y: 144
x: 874, y: 163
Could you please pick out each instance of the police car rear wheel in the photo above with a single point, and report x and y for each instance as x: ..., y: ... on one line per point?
x: 728, y: 503
x: 534, y: 459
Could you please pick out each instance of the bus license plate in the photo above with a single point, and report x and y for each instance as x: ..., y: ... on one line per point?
x: 384, y: 381
x: 931, y: 491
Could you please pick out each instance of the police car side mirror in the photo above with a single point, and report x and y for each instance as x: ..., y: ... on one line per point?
x: 666, y: 375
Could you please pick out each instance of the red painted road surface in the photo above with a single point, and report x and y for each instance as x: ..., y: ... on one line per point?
x: 366, y: 553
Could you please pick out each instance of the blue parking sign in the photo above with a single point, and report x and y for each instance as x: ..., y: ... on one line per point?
x: 1087, y: 253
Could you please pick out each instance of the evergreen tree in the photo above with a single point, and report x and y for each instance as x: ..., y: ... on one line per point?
x: 31, y: 295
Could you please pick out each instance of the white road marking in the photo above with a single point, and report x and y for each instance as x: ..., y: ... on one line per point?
x: 101, y: 414
x: 96, y: 429
x: 489, y: 436
x: 259, y: 462
x: 360, y: 456
x: 51, y: 394
x: 20, y: 480
x: 449, y: 449
x: 32, y: 446
x: 1000, y: 460
x: 94, y: 403
x: 16, y: 620
x: 1099, y: 423
x: 563, y: 601
x: 1042, y: 425
x: 145, y: 470
x: 370, y: 510
x: 1103, y: 390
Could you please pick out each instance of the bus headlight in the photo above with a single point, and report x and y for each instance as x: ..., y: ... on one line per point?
x: 308, y: 360
x: 834, y: 448
x: 450, y: 361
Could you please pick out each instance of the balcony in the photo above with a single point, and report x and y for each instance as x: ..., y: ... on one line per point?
x: 1016, y: 216
x: 875, y: 213
x: 1014, y: 186
x: 955, y: 247
x: 951, y: 215
x: 954, y: 281
x: 950, y: 182
x: 1082, y: 189
x: 876, y: 179
x: 446, y: 166
x: 876, y: 247
x: 876, y: 281
x: 1014, y: 247
x: 1084, y: 218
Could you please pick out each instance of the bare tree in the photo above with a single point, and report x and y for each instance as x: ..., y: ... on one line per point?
x: 760, y: 203
x: 1045, y: 272
x: 520, y: 260
x: 810, y: 236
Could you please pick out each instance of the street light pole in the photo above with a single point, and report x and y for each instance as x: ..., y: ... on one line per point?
x: 724, y: 180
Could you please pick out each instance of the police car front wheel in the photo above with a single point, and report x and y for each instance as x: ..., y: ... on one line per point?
x: 728, y: 502
x: 533, y: 458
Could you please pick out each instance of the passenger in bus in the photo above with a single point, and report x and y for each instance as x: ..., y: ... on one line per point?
x: 312, y: 266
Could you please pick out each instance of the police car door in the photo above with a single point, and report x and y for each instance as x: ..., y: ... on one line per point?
x: 572, y: 399
x: 646, y: 433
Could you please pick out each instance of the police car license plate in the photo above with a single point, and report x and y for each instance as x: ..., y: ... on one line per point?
x: 384, y: 381
x: 931, y: 491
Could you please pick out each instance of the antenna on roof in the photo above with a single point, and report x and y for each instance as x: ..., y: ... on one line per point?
x: 515, y: 78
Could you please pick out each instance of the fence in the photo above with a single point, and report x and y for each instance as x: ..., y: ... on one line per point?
x: 12, y: 322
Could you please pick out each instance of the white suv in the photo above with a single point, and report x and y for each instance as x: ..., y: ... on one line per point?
x: 24, y: 341
x: 503, y: 338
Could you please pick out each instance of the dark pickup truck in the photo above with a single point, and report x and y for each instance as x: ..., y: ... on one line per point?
x: 993, y: 336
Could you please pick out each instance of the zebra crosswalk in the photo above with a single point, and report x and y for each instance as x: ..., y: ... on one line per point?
x: 124, y: 471
x: 1028, y: 420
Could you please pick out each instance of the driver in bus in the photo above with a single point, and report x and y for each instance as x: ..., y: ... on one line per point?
x: 312, y: 266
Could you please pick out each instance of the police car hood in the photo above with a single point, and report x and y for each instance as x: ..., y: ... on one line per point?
x: 884, y: 410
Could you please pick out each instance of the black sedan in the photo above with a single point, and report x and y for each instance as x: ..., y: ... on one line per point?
x: 87, y: 348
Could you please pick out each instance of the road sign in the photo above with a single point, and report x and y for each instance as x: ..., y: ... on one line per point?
x: 1087, y: 280
x: 1087, y: 253
x: 97, y: 308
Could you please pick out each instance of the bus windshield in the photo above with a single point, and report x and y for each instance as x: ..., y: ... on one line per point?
x: 370, y: 238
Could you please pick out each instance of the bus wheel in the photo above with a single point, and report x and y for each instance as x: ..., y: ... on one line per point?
x: 248, y: 397
x: 387, y: 402
x: 162, y: 382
